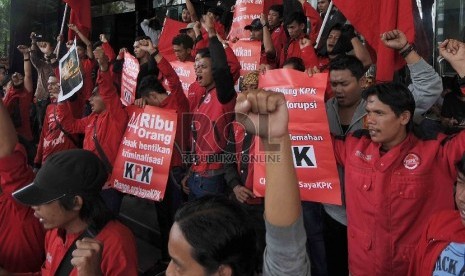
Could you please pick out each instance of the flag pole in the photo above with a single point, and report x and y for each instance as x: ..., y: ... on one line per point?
x: 57, y: 49
x: 320, y: 33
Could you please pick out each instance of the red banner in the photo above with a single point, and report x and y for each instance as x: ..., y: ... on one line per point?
x: 309, y: 133
x: 248, y: 53
x: 80, y: 16
x: 143, y: 161
x: 380, y: 16
x: 129, y: 79
x: 186, y: 73
x: 244, y: 12
x: 170, y: 30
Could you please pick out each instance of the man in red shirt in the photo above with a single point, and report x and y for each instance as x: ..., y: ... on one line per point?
x: 298, y: 45
x: 65, y: 197
x: 21, y: 235
x: 182, y: 47
x: 212, y: 99
x: 53, y: 138
x: 104, y: 128
x: 394, y: 182
x: 278, y: 34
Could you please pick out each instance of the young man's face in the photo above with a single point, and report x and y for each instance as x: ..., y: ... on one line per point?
x: 273, y: 18
x: 256, y: 34
x: 346, y: 88
x: 460, y: 196
x: 203, y: 71
x: 181, y: 53
x: 138, y: 52
x: 53, y: 215
x: 332, y: 39
x: 295, y: 29
x: 186, y: 16
x: 322, y: 5
x: 53, y: 87
x: 383, y: 125
x: 96, y: 103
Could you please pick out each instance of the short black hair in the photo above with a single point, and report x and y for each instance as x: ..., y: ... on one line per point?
x: 296, y: 62
x: 234, y: 243
x: 150, y: 84
x: 204, y: 53
x: 142, y: 37
x: 94, y: 211
x: 348, y: 62
x: 396, y: 95
x: 184, y: 40
x: 278, y: 8
x: 298, y: 17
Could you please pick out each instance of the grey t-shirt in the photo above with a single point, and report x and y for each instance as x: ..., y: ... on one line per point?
x: 285, y: 252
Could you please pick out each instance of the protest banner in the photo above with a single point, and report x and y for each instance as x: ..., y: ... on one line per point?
x: 186, y: 73
x: 70, y: 74
x: 244, y: 12
x: 143, y: 161
x: 309, y: 134
x: 170, y: 30
x: 129, y: 79
x: 248, y: 53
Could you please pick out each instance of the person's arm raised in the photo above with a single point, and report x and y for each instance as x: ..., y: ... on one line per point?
x: 8, y: 139
x: 265, y: 114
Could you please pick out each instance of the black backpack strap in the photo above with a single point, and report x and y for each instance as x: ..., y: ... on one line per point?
x: 60, y: 127
x: 100, y: 151
x: 65, y: 267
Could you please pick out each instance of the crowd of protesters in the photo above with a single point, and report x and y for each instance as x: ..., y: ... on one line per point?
x: 398, y: 164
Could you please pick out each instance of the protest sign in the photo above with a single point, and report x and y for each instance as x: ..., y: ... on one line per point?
x: 143, y: 161
x: 309, y: 134
x: 170, y: 30
x: 244, y: 12
x: 186, y: 73
x: 129, y: 79
x: 70, y: 74
x: 248, y: 53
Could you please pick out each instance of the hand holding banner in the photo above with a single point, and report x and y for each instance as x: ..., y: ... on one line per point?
x: 144, y: 157
x: 244, y: 13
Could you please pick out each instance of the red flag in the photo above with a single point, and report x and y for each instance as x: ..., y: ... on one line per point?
x: 170, y: 30
x: 371, y: 18
x: 80, y: 16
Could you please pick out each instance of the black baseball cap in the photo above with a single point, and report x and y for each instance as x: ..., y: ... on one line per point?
x: 255, y: 25
x: 70, y: 172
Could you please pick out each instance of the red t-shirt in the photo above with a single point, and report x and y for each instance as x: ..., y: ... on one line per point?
x: 21, y: 234
x: 52, y: 139
x: 119, y: 256
x: 110, y: 124
x: 279, y: 39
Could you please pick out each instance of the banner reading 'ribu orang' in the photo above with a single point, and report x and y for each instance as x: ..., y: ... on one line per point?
x: 143, y: 161
x: 309, y: 134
